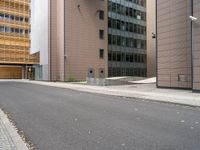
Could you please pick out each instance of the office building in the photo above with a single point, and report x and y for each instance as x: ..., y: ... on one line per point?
x: 71, y: 37
x: 89, y: 38
x: 178, y: 44
x: 15, y: 58
x: 127, y: 38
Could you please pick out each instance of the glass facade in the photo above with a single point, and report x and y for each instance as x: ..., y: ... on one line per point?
x: 127, y: 38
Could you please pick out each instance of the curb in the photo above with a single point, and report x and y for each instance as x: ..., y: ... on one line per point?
x: 13, y: 135
x: 155, y: 97
x: 192, y: 100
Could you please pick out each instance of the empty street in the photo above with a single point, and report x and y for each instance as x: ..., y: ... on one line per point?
x: 62, y: 119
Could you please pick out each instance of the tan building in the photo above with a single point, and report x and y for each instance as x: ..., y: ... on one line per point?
x: 71, y: 37
x: 151, y: 38
x: 15, y: 58
x: 178, y: 44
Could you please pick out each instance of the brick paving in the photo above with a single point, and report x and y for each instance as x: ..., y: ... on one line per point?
x: 9, y: 139
x: 6, y: 142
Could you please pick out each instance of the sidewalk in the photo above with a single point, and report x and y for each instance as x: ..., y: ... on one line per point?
x: 141, y: 91
x: 9, y: 138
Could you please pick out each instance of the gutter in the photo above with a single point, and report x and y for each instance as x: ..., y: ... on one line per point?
x: 65, y: 55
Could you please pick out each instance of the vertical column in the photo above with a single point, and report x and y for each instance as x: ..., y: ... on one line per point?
x: 196, y: 46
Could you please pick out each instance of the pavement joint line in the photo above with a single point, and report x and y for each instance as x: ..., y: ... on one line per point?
x: 9, y: 138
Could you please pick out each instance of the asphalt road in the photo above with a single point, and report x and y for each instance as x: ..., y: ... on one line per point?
x: 61, y: 119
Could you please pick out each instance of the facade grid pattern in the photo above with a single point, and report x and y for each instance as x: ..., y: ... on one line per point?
x: 127, y: 38
x: 15, y: 33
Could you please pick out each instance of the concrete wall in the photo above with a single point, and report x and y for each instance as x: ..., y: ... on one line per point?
x: 66, y: 32
x: 151, y: 42
x: 82, y: 41
x: 174, y: 44
x: 56, y: 57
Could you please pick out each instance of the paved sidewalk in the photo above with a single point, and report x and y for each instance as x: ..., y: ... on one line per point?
x: 9, y: 138
x: 142, y: 91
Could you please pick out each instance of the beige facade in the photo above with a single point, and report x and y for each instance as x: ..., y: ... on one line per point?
x: 151, y: 41
x: 73, y: 39
x: 178, y: 55
x: 82, y: 25
x: 196, y: 49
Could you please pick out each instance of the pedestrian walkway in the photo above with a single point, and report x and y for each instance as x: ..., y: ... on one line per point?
x: 9, y: 138
x: 140, y: 91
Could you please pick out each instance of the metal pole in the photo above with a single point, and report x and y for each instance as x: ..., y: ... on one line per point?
x: 192, y: 43
x: 65, y: 55
x: 156, y: 43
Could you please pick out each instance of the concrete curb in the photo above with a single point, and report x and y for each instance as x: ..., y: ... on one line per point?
x: 12, y: 133
x: 182, y: 98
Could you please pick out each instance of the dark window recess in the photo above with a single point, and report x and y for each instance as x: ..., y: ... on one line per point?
x: 26, y: 20
x: 1, y: 16
x: 101, y: 15
x: 109, y: 56
x: 101, y: 53
x: 101, y: 34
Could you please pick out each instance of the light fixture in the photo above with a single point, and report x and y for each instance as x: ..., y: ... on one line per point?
x: 192, y: 18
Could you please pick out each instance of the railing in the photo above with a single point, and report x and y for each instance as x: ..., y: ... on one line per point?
x: 18, y: 12
x: 17, y: 24
x: 18, y: 57
x: 24, y: 2
x: 14, y: 36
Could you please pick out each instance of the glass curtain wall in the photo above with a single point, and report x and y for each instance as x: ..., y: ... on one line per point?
x: 127, y: 38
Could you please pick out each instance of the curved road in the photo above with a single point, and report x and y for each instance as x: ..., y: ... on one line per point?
x: 61, y: 119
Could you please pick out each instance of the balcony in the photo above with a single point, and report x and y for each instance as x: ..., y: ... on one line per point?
x: 14, y: 40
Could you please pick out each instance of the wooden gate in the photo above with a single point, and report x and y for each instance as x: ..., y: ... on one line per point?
x: 10, y: 72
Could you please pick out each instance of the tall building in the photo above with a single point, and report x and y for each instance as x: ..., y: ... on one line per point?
x: 95, y: 38
x: 15, y: 58
x: 178, y: 44
x: 71, y: 37
x: 127, y: 38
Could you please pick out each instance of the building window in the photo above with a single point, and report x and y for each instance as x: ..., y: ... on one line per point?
x: 101, y: 34
x: 1, y: 16
x: 101, y: 53
x: 26, y: 20
x: 2, y: 29
x: 101, y: 15
x: 120, y: 41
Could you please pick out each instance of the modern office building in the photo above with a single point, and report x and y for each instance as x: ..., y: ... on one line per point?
x: 71, y: 37
x: 15, y: 59
x: 178, y: 44
x: 127, y: 38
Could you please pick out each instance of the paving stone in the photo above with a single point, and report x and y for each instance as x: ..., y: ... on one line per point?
x: 9, y: 139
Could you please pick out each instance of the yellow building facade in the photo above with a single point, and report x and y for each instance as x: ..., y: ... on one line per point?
x: 15, y: 58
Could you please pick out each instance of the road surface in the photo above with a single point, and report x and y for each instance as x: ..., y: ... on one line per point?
x: 62, y: 119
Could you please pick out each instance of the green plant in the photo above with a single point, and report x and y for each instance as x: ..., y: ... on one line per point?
x: 71, y: 79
